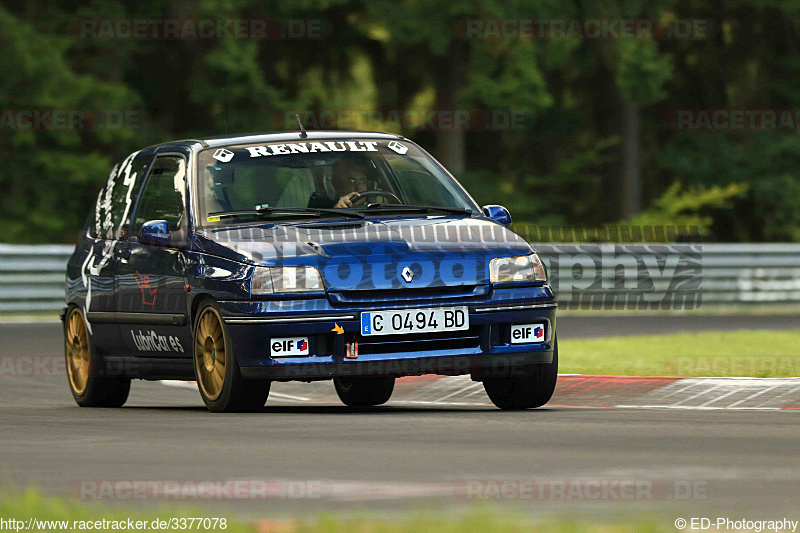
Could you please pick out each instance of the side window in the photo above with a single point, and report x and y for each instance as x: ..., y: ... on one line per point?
x: 115, y: 201
x: 164, y: 195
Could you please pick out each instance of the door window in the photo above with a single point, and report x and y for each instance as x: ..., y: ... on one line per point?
x: 114, y: 204
x: 164, y: 196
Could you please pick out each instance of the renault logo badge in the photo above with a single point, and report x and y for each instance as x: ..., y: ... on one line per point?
x: 222, y: 155
x: 407, y: 274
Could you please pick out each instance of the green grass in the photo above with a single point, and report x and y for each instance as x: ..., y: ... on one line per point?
x: 30, y: 504
x: 755, y: 353
x: 775, y: 309
x: 35, y: 316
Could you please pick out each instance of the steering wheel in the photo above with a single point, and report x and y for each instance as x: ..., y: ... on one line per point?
x: 386, y: 194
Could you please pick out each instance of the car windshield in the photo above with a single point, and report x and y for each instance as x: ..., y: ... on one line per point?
x: 323, y: 178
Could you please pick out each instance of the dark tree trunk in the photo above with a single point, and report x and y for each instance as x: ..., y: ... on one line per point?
x: 631, y: 179
x: 608, y: 122
x: 450, y: 142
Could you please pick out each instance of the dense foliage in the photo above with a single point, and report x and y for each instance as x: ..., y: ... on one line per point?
x: 592, y: 137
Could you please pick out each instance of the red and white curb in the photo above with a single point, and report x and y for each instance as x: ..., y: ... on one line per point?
x: 577, y: 390
x: 772, y: 394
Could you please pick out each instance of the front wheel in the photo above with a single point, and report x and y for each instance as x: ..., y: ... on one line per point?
x: 221, y: 384
x: 364, y: 392
x: 84, y: 369
x: 533, y: 389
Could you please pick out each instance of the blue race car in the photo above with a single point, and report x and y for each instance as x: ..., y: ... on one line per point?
x: 237, y: 261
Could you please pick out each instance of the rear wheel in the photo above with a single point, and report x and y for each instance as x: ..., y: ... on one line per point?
x: 364, y: 392
x: 533, y: 389
x: 218, y: 377
x: 84, y: 368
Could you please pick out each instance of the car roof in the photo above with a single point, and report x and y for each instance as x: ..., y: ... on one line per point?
x: 273, y: 136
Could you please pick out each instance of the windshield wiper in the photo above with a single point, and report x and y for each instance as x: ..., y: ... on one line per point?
x: 340, y: 212
x: 423, y: 208
x: 306, y: 211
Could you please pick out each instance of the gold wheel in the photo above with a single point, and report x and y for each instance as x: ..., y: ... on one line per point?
x: 209, y: 353
x: 78, y: 354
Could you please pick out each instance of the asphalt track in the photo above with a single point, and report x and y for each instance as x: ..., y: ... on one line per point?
x: 318, y: 455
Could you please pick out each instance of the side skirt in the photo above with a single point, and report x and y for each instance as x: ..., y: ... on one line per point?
x: 148, y: 368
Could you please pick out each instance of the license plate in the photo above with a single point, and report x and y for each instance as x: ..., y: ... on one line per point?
x: 414, y: 321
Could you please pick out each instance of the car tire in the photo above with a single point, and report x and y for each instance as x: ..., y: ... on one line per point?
x: 219, y: 379
x: 89, y: 388
x: 534, y: 389
x: 364, y: 392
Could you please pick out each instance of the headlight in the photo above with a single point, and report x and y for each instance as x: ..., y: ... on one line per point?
x: 517, y: 269
x: 272, y: 280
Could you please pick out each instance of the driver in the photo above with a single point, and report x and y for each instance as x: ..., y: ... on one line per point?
x: 350, y: 178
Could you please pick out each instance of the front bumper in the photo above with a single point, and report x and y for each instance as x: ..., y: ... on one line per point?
x: 484, y: 350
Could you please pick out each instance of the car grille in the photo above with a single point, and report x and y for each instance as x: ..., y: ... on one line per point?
x: 395, y: 295
x: 421, y: 342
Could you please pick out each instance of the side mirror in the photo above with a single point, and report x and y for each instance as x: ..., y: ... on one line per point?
x: 498, y: 213
x: 155, y: 232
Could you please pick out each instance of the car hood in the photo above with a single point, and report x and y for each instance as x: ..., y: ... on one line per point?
x: 372, y: 254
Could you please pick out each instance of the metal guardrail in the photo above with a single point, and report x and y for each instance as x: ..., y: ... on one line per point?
x: 672, y: 276
x: 32, y: 277
x: 585, y: 276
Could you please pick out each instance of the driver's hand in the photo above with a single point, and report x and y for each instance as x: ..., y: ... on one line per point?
x: 346, y: 200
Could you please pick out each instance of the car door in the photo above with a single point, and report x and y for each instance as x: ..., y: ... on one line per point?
x: 150, y: 282
x: 112, y: 211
